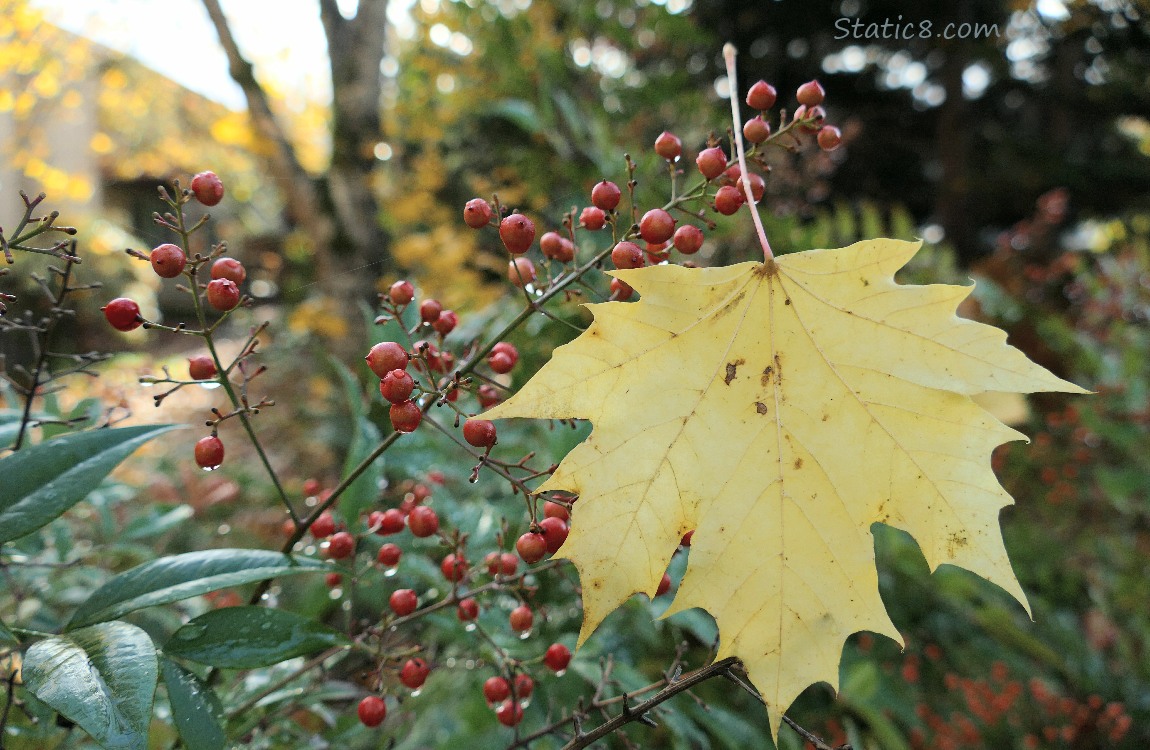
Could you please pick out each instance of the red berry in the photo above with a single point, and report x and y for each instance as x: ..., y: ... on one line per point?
x: 758, y: 186
x: 488, y: 396
x: 479, y: 432
x: 385, y: 357
x: 332, y: 580
x: 406, y: 416
x: 389, y: 554
x: 557, y: 247
x: 555, y: 510
x: 208, y: 188
x: 506, y: 348
x: 168, y: 260
x: 508, y: 564
x: 664, y: 585
x: 209, y: 452
x: 477, y: 213
x: 454, y: 567
x: 668, y: 146
x: 517, y: 233
x: 467, y: 610
x: 524, y: 686
x: 372, y: 711
x: 403, y: 602
x: 686, y: 540
x: 557, y: 657
x: 390, y: 522
x: 491, y: 560
x: 621, y: 290
x: 311, y: 486
x: 657, y: 252
x: 341, y: 545
x: 446, y: 322
x: 627, y: 255
x: 423, y: 521
x: 810, y: 94
x: 711, y: 162
x: 231, y: 269
x: 414, y: 673
x: 396, y: 387
x: 429, y: 310
x: 496, y: 689
x: 531, y: 547
x: 123, y: 314
x: 401, y: 292
x: 756, y: 130
x: 606, y: 195
x: 688, y: 239
x: 829, y: 137
x: 811, y: 119
x: 201, y: 367
x: 521, y: 271
x: 656, y: 226
x: 521, y: 619
x: 324, y: 526
x: 223, y: 294
x: 509, y: 713
x: 501, y: 362
x: 592, y: 218
x: 728, y: 199
x: 761, y: 96
x: 554, y: 533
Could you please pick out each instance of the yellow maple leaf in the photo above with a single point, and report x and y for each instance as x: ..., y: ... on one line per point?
x: 779, y: 409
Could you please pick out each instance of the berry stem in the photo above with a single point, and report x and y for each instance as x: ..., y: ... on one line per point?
x: 737, y: 137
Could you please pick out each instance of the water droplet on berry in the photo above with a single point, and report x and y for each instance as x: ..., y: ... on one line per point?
x: 209, y: 468
x: 469, y: 627
x: 415, y: 693
x: 146, y: 384
x: 335, y: 593
x: 525, y: 635
x: 561, y: 672
x: 389, y: 572
x: 209, y: 385
x: 223, y: 529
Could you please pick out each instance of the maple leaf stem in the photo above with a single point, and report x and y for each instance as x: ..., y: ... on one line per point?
x: 737, y: 137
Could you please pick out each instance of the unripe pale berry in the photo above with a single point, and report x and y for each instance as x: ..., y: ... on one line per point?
x: 761, y: 96
x: 517, y: 233
x: 656, y: 226
x: 454, y: 567
x: 414, y: 673
x: 406, y: 416
x: 401, y: 292
x: 429, y: 310
x: 829, y: 137
x: 467, y: 610
x: 423, y: 521
x: 728, y: 199
x: 479, y: 433
x: 668, y: 146
x: 201, y: 367
x: 756, y: 130
x: 496, y: 689
x: 396, y: 387
x: 592, y: 218
x: 531, y: 547
x: 509, y: 713
x: 389, y: 554
x: 168, y: 260
x: 446, y: 322
x: 372, y: 711
x: 341, y: 545
x: 521, y: 618
x: 477, y: 213
x: 208, y: 188
x: 403, y: 602
x: 554, y: 533
x: 688, y: 239
x: 606, y: 195
x: 557, y: 657
x: 521, y: 271
x: 810, y: 94
x: 557, y: 247
x: 223, y: 294
x: 627, y: 255
x: 621, y: 291
x: 711, y: 162
x: 385, y: 357
x: 123, y: 314
x: 324, y: 526
x: 209, y: 452
x: 229, y: 268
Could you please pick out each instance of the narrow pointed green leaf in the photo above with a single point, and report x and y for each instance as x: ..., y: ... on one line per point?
x: 196, y: 710
x: 6, y: 635
x: 250, y: 637
x: 171, y: 579
x: 43, y: 481
x: 103, y: 678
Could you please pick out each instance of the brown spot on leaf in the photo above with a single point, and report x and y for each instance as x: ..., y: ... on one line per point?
x: 766, y: 378
x: 768, y: 268
x: 760, y: 407
x: 731, y: 367
x: 798, y: 463
x: 787, y: 301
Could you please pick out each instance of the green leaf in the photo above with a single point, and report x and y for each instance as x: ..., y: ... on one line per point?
x: 196, y: 710
x: 10, y: 425
x: 363, y: 492
x: 103, y: 678
x: 43, y: 481
x: 6, y: 635
x: 250, y: 637
x: 156, y: 522
x: 170, y: 579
